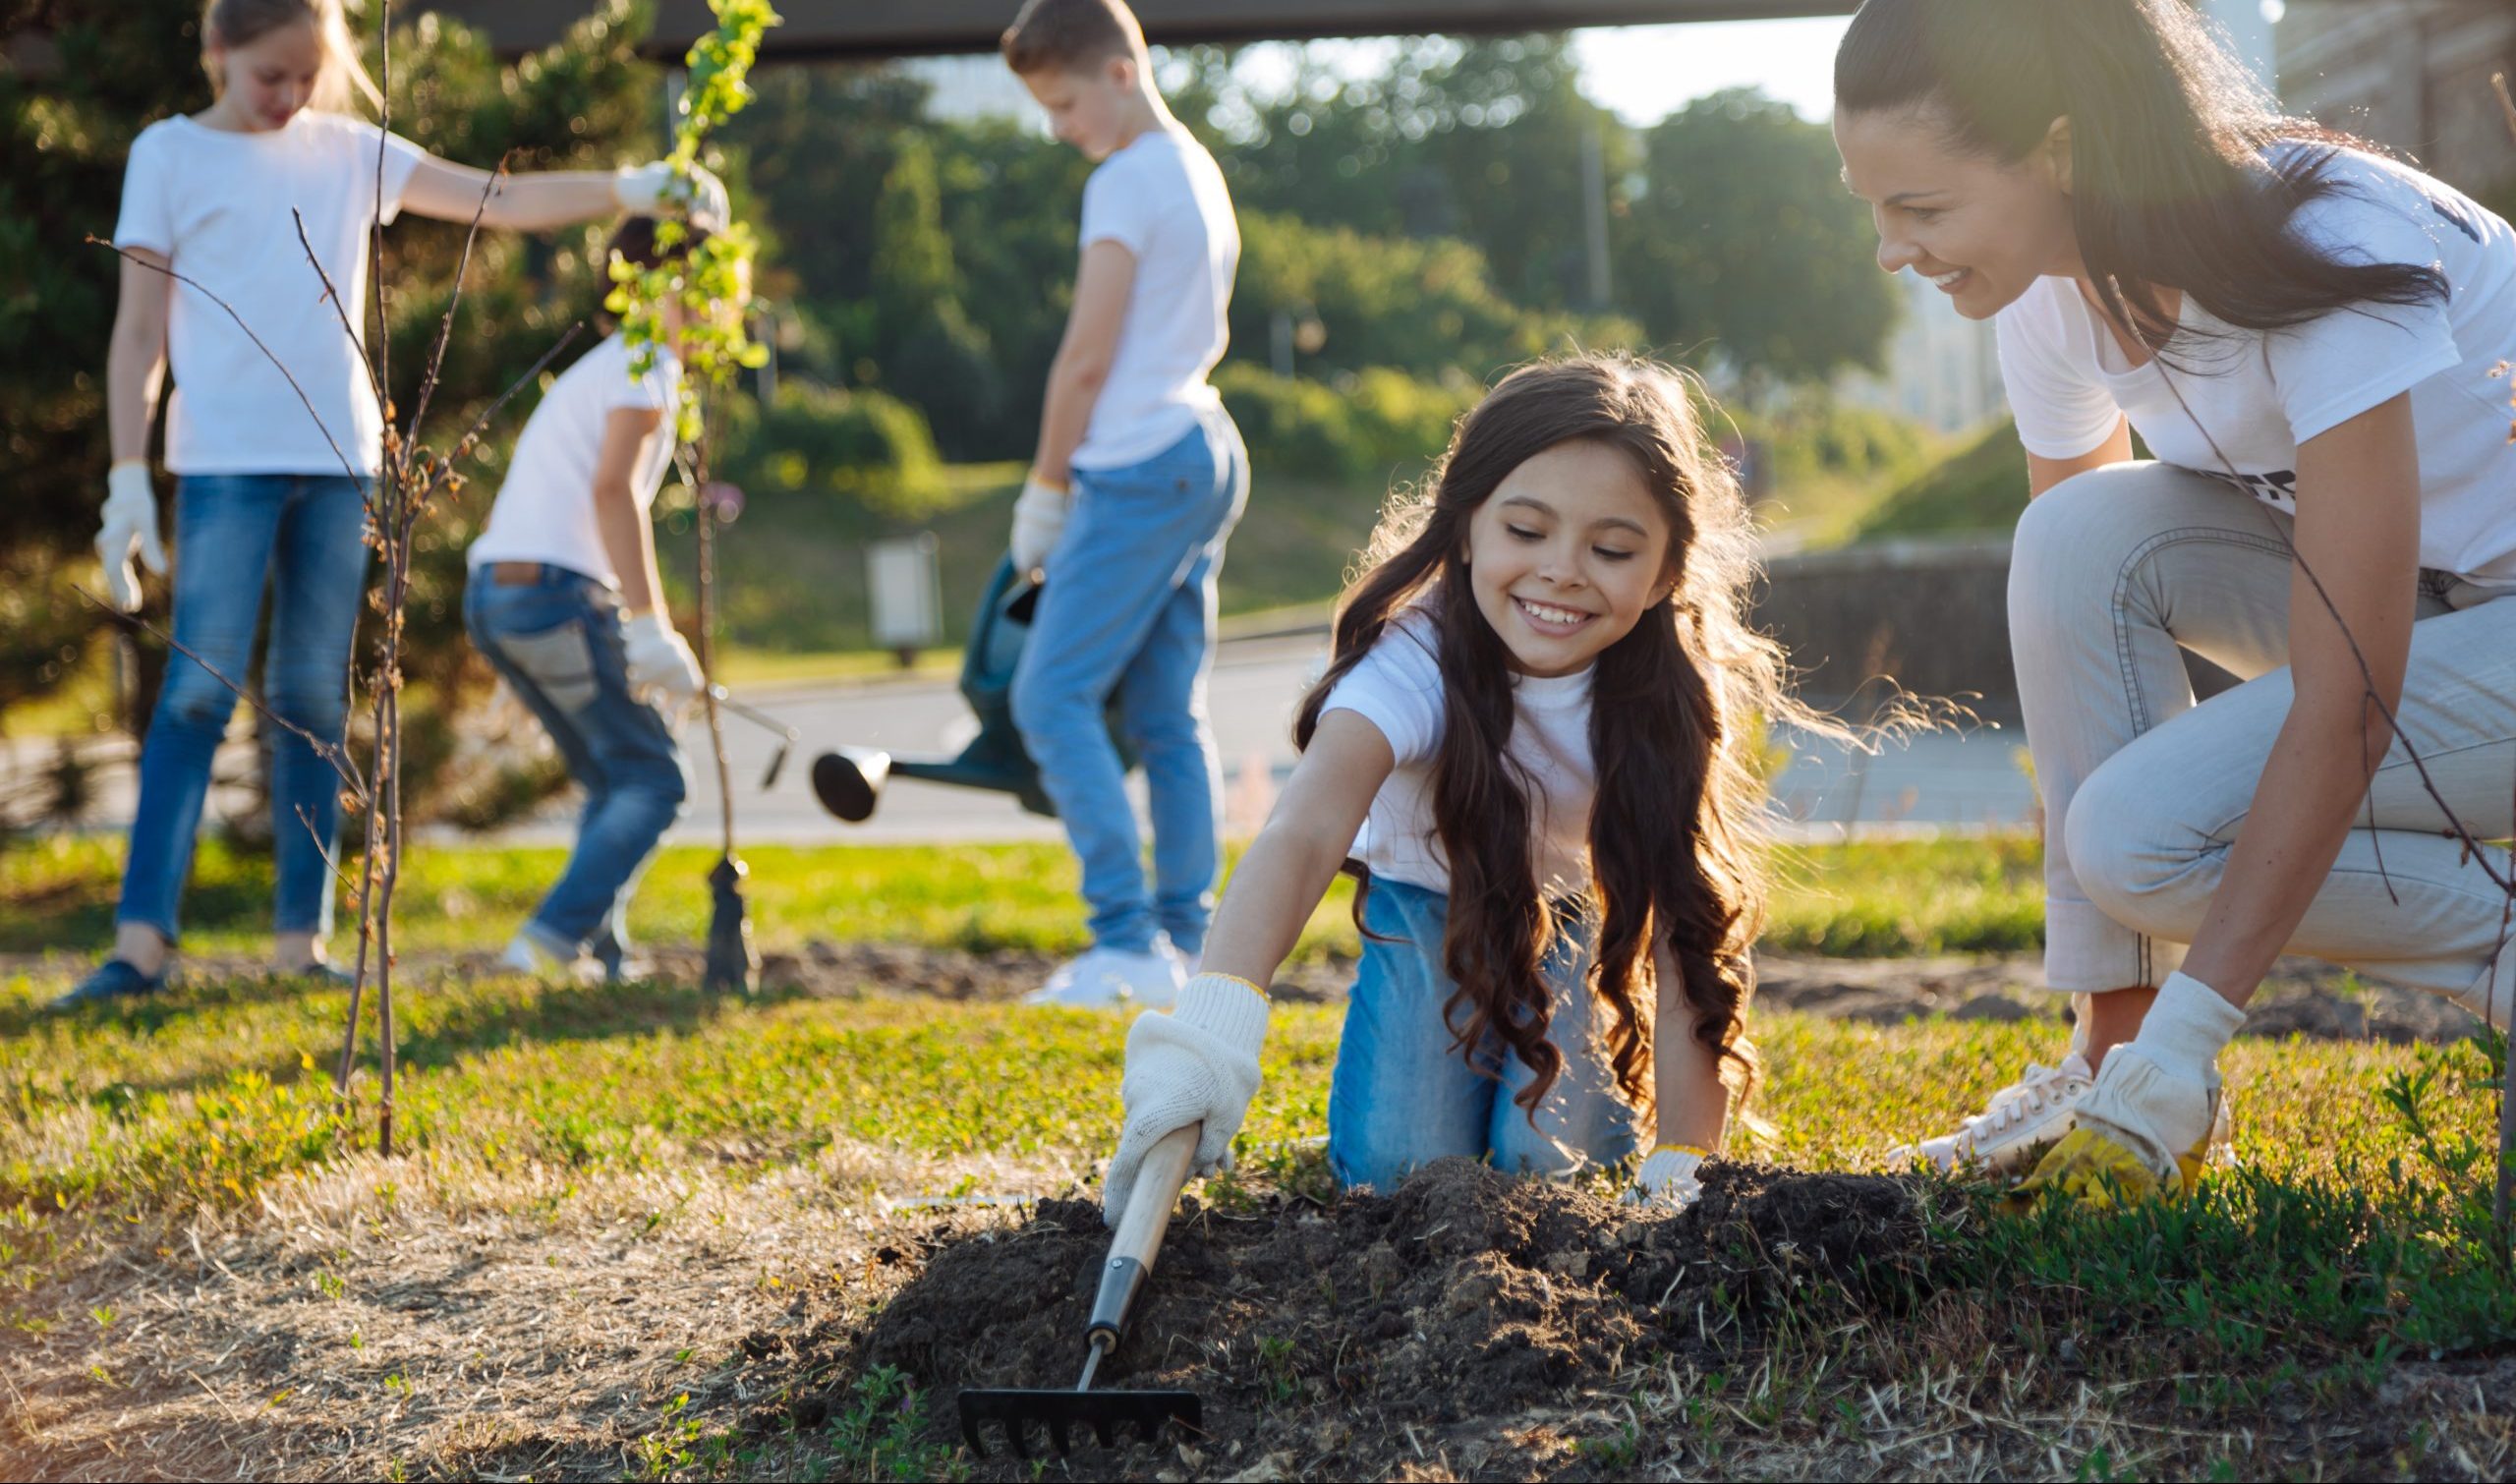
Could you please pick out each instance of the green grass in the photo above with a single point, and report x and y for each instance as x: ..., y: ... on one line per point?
x: 2353, y: 1234
x: 1865, y: 899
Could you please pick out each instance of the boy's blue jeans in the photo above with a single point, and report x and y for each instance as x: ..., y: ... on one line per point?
x: 302, y: 536
x: 556, y: 640
x: 1128, y: 610
x: 1404, y: 1095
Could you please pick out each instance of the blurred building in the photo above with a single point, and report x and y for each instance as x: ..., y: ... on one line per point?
x: 2410, y: 74
x: 974, y: 86
x: 1943, y: 370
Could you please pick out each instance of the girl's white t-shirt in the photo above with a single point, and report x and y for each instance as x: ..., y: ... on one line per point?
x: 2261, y: 394
x: 1163, y: 200
x: 544, y: 510
x: 1398, y: 688
x: 223, y: 207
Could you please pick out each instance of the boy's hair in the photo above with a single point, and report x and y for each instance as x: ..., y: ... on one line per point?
x: 1676, y: 706
x: 635, y: 239
x: 1070, y: 36
x: 241, y: 22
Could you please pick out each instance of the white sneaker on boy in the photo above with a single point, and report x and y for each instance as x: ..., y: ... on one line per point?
x: 1104, y: 978
x: 537, y: 955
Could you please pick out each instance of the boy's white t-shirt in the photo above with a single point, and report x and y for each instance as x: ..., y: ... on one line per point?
x: 1398, y: 688
x: 223, y: 207
x: 544, y: 510
x: 2261, y: 395
x: 1163, y: 198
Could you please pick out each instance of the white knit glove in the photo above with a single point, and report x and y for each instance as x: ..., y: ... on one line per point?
x: 1197, y: 1062
x: 1667, y: 1180
x: 1039, y: 518
x: 130, y: 522
x: 662, y: 670
x: 650, y: 190
x: 2151, y: 1113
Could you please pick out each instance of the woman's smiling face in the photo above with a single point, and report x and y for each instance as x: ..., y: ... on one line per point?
x: 1983, y: 231
x: 1566, y: 556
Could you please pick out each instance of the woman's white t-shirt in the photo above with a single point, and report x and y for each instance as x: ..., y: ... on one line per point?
x: 1163, y: 200
x: 1398, y: 688
x: 2261, y: 394
x: 544, y: 510
x: 223, y: 207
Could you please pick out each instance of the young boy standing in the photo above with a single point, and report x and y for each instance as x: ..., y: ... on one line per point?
x: 1137, y: 481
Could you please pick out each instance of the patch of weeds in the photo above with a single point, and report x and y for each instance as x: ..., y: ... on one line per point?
x: 881, y: 1432
x: 1276, y: 1360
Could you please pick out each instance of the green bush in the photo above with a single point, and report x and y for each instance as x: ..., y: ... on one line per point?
x: 1366, y: 427
x: 1982, y: 487
x: 867, y: 449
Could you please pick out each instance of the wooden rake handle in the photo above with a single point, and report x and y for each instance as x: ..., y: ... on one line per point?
x: 1140, y: 1229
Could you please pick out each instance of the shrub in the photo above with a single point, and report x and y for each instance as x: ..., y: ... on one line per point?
x: 1364, y: 427
x: 866, y: 447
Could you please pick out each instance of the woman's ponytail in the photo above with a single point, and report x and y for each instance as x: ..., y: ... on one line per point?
x: 2170, y: 187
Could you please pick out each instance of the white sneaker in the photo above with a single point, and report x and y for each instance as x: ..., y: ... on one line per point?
x: 1107, y: 978
x: 2014, y: 1130
x: 536, y: 956
x: 2027, y: 1119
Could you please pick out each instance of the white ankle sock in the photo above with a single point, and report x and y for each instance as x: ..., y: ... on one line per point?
x: 2187, y: 1028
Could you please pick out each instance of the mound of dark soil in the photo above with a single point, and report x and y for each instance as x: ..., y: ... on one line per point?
x: 1381, y: 1335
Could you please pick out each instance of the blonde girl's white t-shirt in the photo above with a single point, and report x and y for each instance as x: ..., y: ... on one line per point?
x: 2261, y: 394
x: 1398, y: 688
x: 223, y: 207
x: 1163, y: 200
x: 544, y: 510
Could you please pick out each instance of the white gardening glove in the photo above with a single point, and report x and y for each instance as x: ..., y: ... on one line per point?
x: 130, y: 522
x: 1668, y: 1179
x: 2143, y: 1129
x: 662, y: 670
x: 1196, y: 1062
x: 1039, y: 518
x: 647, y: 190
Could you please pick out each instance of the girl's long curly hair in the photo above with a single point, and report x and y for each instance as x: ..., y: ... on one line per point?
x: 1675, y: 840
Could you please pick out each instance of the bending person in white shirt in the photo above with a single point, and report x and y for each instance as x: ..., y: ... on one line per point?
x: 565, y: 601
x: 2307, y: 336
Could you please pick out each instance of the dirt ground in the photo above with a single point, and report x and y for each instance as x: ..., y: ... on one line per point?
x: 409, y: 1320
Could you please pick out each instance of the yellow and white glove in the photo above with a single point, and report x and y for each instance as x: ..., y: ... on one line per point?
x: 130, y: 524
x: 2143, y: 1129
x: 650, y: 189
x: 1669, y: 1180
x: 1195, y: 1062
x: 663, y: 673
x: 1039, y: 518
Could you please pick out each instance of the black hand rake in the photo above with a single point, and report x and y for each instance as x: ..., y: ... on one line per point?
x: 1130, y: 1261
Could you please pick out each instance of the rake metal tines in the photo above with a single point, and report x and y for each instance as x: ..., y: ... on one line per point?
x: 1061, y: 1412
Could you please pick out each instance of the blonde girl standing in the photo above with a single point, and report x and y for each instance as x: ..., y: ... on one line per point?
x: 267, y: 494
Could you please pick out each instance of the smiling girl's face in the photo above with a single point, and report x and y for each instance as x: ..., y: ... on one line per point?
x: 1567, y: 555
x: 1980, y: 230
x: 270, y: 80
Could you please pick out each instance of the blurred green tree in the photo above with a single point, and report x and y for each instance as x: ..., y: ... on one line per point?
x: 1747, y: 247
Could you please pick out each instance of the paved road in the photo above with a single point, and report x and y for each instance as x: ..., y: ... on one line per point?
x: 1939, y: 780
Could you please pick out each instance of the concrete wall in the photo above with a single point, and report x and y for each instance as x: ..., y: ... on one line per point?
x: 1932, y: 617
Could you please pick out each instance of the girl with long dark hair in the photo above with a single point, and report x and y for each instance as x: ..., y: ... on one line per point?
x: 1535, y: 714
x: 2310, y: 337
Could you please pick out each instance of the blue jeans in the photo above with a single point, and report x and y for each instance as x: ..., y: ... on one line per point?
x: 302, y: 535
x: 1129, y: 611
x: 558, y: 642
x: 1403, y: 1095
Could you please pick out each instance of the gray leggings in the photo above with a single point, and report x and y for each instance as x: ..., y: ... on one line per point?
x: 2145, y: 790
